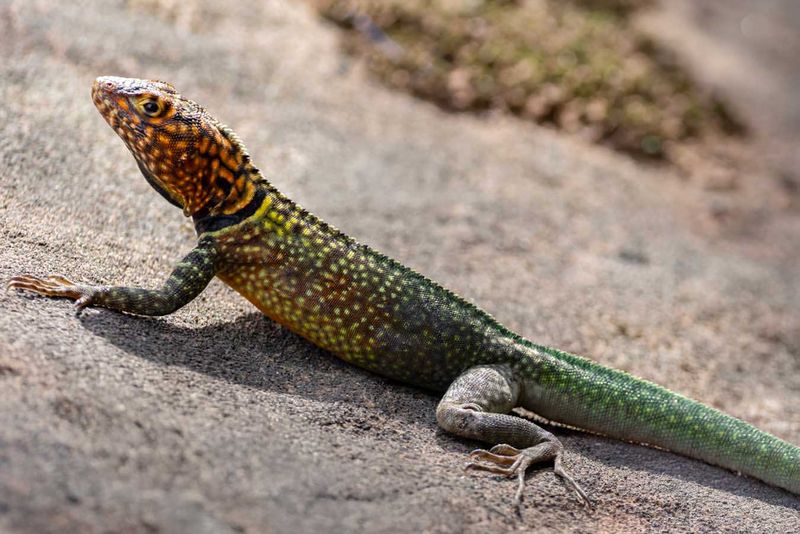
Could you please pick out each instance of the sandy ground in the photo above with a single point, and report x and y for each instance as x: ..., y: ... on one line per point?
x: 215, y: 420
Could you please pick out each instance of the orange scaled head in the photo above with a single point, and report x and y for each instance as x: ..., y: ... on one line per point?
x: 192, y: 160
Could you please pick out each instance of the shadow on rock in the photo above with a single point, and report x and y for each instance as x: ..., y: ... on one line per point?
x: 253, y: 351
x: 674, y: 466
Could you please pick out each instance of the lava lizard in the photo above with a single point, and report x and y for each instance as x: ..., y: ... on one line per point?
x: 370, y: 310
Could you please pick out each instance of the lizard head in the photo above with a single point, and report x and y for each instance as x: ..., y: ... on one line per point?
x: 195, y: 162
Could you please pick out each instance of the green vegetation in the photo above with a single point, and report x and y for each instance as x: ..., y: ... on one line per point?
x: 576, y: 65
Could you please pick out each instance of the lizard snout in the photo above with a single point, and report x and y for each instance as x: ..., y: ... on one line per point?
x: 105, y: 84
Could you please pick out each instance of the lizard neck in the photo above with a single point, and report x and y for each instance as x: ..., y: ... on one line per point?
x: 237, y: 199
x: 224, y: 182
x: 235, y: 191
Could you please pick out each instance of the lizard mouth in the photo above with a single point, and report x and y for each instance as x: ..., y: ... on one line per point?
x: 110, y: 97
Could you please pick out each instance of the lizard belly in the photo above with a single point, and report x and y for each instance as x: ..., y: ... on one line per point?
x: 415, y: 339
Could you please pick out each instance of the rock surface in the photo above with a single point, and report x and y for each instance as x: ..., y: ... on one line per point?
x: 216, y: 420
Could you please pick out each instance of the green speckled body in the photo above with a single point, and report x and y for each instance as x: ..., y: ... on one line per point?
x: 346, y: 298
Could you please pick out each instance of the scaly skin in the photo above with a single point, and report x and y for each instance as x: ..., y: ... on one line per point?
x: 375, y: 313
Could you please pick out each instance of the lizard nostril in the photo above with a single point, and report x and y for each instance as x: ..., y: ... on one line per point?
x: 108, y: 86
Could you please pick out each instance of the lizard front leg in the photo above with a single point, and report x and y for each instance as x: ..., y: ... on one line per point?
x: 190, y: 276
x: 477, y: 406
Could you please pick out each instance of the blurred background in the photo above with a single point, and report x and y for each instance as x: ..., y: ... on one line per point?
x: 616, y: 178
x: 640, y: 76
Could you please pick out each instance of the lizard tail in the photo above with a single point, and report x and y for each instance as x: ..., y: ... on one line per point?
x: 583, y: 394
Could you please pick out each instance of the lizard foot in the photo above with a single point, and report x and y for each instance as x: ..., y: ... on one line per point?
x: 55, y: 286
x: 509, y: 461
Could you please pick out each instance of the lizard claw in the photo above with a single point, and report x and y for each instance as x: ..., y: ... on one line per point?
x: 82, y: 303
x: 54, y: 286
x: 509, y: 461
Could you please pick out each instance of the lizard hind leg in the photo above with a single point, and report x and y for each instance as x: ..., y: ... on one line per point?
x: 477, y: 406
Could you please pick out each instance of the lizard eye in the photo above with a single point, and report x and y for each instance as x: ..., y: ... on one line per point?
x: 151, y: 108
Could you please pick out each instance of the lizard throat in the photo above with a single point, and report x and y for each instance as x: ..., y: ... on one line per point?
x: 156, y: 184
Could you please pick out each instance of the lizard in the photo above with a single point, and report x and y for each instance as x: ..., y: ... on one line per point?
x: 374, y: 312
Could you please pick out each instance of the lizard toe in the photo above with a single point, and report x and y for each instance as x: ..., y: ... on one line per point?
x: 50, y: 286
x: 509, y: 461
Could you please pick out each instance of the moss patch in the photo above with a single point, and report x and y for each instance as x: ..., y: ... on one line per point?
x: 576, y: 65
